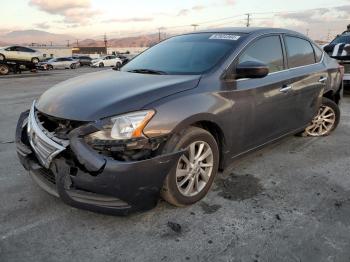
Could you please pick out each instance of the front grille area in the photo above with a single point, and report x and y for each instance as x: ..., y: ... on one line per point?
x: 43, y: 142
x: 48, y: 175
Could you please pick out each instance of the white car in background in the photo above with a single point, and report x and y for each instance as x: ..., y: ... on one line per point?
x: 108, y: 60
x: 21, y: 53
x: 59, y: 63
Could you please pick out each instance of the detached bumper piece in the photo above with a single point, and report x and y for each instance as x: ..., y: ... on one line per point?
x: 85, y: 179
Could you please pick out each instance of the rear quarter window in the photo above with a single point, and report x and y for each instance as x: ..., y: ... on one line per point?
x: 299, y: 52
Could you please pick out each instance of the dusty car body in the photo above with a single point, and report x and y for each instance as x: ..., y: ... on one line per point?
x: 56, y: 138
x: 20, y: 53
x: 59, y: 63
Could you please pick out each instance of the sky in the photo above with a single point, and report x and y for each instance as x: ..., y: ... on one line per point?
x: 118, y: 18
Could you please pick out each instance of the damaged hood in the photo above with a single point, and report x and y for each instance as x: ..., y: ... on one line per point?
x: 108, y: 93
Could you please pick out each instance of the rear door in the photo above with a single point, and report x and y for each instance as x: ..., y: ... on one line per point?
x: 24, y: 53
x: 308, y: 77
x: 263, y: 109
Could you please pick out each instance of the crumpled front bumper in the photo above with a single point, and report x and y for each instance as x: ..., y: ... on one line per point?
x: 96, y: 182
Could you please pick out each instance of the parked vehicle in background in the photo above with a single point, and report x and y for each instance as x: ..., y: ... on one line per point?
x: 59, y: 63
x: 108, y: 60
x: 20, y: 53
x: 114, y: 141
x: 339, y: 49
x: 83, y: 60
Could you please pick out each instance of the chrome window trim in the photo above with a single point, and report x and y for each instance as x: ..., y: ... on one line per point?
x: 284, y: 70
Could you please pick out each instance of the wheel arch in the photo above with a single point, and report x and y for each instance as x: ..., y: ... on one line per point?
x: 334, y: 96
x: 207, y: 122
x: 215, y: 130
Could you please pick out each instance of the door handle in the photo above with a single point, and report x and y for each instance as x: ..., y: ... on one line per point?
x: 285, y: 88
x: 323, y: 79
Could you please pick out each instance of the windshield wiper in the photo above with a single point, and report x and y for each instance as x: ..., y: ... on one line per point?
x: 147, y: 71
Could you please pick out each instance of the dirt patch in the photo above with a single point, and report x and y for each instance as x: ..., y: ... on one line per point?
x: 174, y: 227
x: 209, y: 209
x: 239, y: 187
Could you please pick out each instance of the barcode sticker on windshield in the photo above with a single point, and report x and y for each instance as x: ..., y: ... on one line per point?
x: 225, y: 37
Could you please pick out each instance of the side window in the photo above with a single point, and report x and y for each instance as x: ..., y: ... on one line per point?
x: 267, y: 50
x: 299, y: 52
x: 318, y: 53
x: 22, y: 49
x: 11, y: 48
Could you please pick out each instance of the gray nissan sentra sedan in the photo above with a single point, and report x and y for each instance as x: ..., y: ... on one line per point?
x: 115, y: 141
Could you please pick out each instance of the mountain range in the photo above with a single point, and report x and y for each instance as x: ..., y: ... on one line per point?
x: 27, y: 37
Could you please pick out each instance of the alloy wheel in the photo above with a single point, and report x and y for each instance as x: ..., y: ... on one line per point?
x: 3, y: 70
x: 194, y: 168
x: 323, y: 123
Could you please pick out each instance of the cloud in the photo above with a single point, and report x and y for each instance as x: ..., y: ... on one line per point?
x: 43, y: 25
x: 198, y: 8
x: 230, y: 2
x: 59, y: 6
x: 74, y: 12
x: 129, y: 20
x: 183, y: 12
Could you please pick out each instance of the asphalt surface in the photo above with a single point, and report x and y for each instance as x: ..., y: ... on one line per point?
x: 287, y: 202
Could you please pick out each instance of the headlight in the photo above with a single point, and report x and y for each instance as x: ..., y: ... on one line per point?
x: 124, y: 126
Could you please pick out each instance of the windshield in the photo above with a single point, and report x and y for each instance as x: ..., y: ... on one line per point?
x: 186, y: 54
x: 343, y: 39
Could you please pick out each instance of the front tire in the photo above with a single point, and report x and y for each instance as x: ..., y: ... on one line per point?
x: 2, y: 57
x: 101, y: 65
x: 35, y: 60
x: 4, y: 70
x: 190, y: 180
x: 326, y: 120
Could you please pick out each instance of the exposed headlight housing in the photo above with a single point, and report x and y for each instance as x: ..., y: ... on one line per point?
x: 124, y: 127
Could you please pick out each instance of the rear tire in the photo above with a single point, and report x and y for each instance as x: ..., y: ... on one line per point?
x: 190, y: 180
x: 73, y: 66
x: 326, y: 120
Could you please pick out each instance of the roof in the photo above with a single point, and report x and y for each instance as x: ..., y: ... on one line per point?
x: 249, y: 30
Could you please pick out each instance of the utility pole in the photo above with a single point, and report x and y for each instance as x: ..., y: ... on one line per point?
x: 248, y: 19
x: 77, y: 42
x: 106, y: 41
x: 329, y: 34
x: 194, y: 27
x: 67, y: 43
x: 51, y: 43
x: 159, y: 36
x: 307, y: 32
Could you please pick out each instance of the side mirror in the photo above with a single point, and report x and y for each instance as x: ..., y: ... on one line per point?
x: 328, y: 48
x: 251, y: 69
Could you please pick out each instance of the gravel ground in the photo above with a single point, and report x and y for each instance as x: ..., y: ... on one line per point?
x: 287, y: 202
